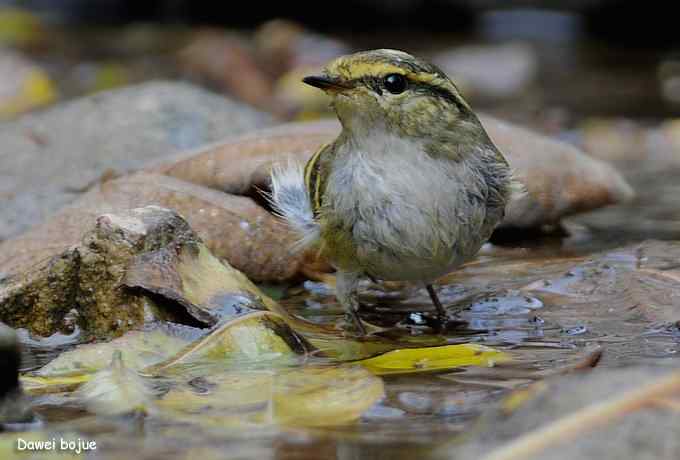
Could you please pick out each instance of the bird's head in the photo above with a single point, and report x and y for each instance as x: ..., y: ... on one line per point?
x: 393, y: 90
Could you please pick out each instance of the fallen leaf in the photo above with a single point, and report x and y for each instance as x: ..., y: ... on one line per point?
x: 433, y: 359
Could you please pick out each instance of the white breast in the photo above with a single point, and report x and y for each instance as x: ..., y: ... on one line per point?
x: 410, y: 215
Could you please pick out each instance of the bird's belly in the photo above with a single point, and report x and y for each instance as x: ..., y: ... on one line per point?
x: 403, y: 215
x: 406, y: 237
x: 424, y: 253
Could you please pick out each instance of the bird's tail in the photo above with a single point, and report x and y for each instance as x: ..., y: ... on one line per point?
x: 290, y: 200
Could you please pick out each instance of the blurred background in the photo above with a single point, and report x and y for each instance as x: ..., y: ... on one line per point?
x: 601, y: 74
x: 546, y: 66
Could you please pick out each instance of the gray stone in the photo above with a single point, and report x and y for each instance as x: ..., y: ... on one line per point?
x: 49, y: 158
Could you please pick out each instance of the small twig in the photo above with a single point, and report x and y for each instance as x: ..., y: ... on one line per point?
x: 585, y: 419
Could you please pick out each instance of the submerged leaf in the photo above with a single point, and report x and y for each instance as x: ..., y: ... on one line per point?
x: 433, y: 359
x: 138, y: 349
x: 322, y: 396
x: 309, y: 396
x: 116, y: 390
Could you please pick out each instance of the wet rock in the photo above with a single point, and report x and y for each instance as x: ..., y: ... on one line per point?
x: 89, y: 276
x: 609, y: 414
x: 490, y: 71
x: 560, y: 179
x: 636, y: 281
x: 24, y: 86
x: 47, y: 159
x: 233, y: 227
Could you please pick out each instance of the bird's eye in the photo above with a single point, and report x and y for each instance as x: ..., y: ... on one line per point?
x: 395, y: 83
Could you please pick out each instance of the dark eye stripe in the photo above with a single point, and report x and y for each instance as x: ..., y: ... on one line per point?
x: 375, y: 83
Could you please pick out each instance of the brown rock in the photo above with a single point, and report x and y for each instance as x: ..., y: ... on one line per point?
x: 560, y: 179
x: 233, y: 227
x: 86, y: 276
x: 108, y: 273
x: 239, y: 164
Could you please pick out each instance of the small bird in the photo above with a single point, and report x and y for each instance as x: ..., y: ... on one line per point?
x: 411, y: 188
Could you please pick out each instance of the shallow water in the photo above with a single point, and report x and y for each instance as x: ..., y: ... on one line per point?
x: 548, y: 307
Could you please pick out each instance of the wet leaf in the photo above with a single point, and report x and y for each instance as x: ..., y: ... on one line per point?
x: 433, y: 359
x: 325, y: 395
x: 138, y: 349
x: 116, y: 389
x: 207, y: 288
x: 250, y: 339
x: 308, y: 396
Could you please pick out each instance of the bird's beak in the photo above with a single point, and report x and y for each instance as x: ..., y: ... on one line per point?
x: 325, y: 83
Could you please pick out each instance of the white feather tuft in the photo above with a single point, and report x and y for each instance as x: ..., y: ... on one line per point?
x: 290, y: 200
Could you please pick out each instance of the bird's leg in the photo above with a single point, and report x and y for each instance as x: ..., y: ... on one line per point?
x: 346, y: 292
x: 441, y: 313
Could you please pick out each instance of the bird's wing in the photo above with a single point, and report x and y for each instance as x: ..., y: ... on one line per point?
x: 315, y: 178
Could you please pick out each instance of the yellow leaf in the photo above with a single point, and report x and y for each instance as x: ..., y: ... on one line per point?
x: 38, y: 384
x: 323, y: 396
x: 310, y: 396
x: 253, y: 338
x: 433, y: 359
